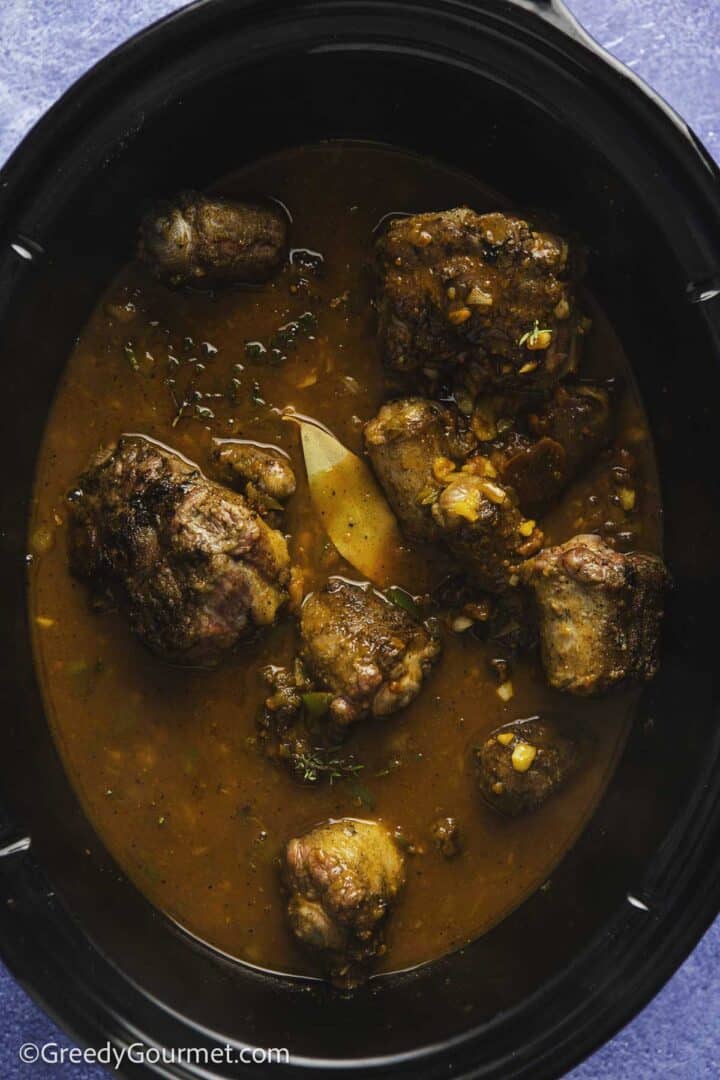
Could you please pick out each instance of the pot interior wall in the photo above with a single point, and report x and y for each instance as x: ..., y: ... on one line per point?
x: 194, y: 123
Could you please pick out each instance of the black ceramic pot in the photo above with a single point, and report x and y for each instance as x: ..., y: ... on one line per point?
x: 513, y: 92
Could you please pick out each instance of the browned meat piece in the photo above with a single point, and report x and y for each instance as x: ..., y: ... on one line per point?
x: 483, y: 526
x: 416, y: 447
x: 599, y: 612
x: 261, y: 471
x: 343, y: 878
x: 404, y: 442
x: 578, y: 417
x: 287, y: 687
x: 563, y: 436
x: 445, y: 833
x: 193, y: 566
x: 195, y: 239
x: 486, y: 290
x: 522, y: 763
x: 535, y: 468
x: 372, y: 655
x: 504, y: 621
x: 292, y: 728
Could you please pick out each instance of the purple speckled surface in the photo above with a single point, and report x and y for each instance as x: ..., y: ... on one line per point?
x: 45, y: 45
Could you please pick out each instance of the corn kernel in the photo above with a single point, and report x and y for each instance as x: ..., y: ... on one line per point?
x: 498, y: 787
x: 505, y: 691
x: 526, y: 529
x: 44, y: 622
x: 627, y: 498
x: 505, y: 737
x: 459, y: 315
x: 442, y: 467
x: 523, y: 756
x: 461, y: 500
x: 428, y: 496
x: 493, y: 492
x: 539, y: 339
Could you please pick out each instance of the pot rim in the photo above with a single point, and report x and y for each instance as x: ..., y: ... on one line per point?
x: 601, y: 1013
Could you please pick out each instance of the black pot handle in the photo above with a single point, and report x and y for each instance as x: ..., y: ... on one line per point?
x: 560, y: 16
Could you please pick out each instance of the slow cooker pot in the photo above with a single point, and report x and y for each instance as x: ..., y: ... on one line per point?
x: 515, y: 93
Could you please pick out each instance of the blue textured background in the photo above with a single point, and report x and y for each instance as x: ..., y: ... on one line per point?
x: 45, y: 45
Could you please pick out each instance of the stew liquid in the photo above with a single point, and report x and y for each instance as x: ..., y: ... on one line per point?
x: 164, y: 760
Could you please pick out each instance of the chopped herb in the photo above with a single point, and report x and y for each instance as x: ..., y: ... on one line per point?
x: 150, y: 872
x: 404, y: 600
x: 191, y: 761
x: 122, y: 313
x: 429, y: 495
x: 283, y: 341
x: 130, y: 356
x: 316, y: 704
x: 392, y: 765
x: 536, y: 338
x: 180, y: 413
x: 254, y: 350
x: 84, y: 676
x: 125, y: 720
x: 363, y: 793
x: 203, y: 413
x: 306, y: 258
x: 77, y: 667
x: 315, y: 763
x: 403, y: 842
x: 256, y: 394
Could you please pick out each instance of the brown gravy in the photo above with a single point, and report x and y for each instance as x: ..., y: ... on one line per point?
x: 164, y: 760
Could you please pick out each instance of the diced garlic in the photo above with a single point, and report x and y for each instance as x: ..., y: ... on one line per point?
x: 478, y: 298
